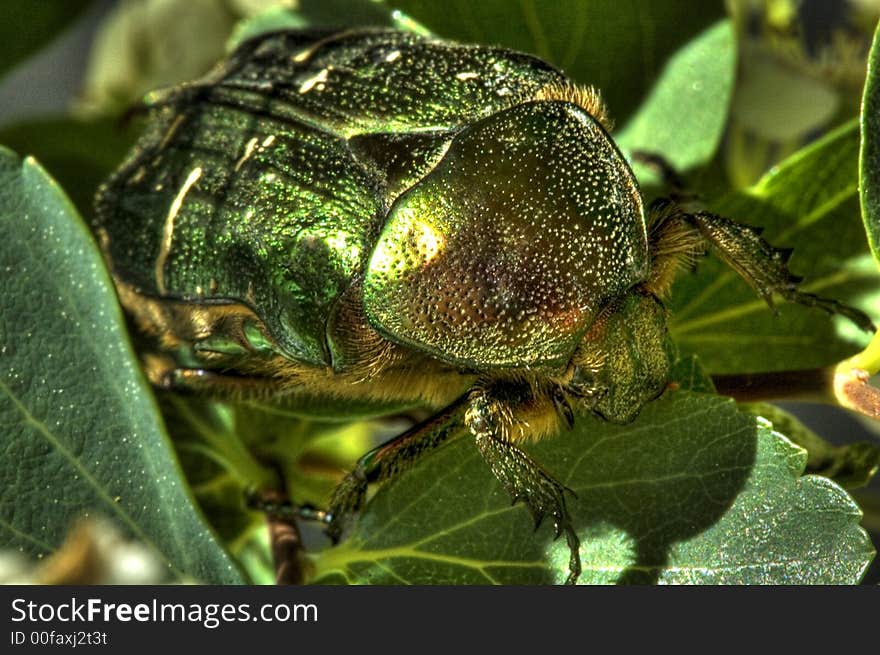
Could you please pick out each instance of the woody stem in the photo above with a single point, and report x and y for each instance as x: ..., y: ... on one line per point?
x: 815, y: 384
x: 286, y: 545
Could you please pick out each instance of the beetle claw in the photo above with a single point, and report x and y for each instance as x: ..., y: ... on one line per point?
x: 334, y: 530
x: 538, y: 520
x: 275, y: 503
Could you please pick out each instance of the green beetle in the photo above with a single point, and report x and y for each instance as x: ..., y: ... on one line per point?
x: 367, y: 221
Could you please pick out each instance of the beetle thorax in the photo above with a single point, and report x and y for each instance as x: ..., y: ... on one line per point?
x: 502, y: 256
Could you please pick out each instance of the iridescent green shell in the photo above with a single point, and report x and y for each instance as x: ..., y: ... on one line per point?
x: 504, y: 253
x: 270, y: 181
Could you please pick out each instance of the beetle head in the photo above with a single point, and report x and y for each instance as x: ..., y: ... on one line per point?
x: 624, y: 359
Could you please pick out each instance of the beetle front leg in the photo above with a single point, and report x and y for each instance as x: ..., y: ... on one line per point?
x: 764, y: 267
x: 163, y: 373
x: 679, y: 237
x: 522, y: 477
x: 389, y: 459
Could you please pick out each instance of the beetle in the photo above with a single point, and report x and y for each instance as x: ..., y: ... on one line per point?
x: 366, y: 221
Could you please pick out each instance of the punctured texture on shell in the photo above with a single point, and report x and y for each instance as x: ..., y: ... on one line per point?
x: 505, y: 252
x: 268, y: 181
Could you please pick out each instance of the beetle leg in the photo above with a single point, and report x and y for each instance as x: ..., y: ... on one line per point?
x: 283, y: 508
x: 522, y: 477
x: 765, y: 267
x: 560, y: 402
x: 676, y: 236
x: 164, y: 373
x: 389, y: 459
x: 488, y: 420
x: 199, y: 380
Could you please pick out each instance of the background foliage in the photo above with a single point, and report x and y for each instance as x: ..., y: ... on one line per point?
x: 697, y: 490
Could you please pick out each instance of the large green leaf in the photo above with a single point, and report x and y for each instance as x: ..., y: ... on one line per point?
x: 852, y: 465
x: 684, y: 116
x: 80, y: 432
x: 692, y: 492
x: 870, y: 151
x: 27, y: 25
x: 811, y: 203
x: 619, y: 46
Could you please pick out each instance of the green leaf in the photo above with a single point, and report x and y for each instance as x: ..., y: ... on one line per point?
x: 688, y: 373
x: 684, y: 116
x: 869, y: 162
x: 28, y: 25
x: 851, y: 466
x: 619, y: 47
x: 80, y: 432
x: 79, y: 154
x: 809, y: 202
x: 693, y: 491
x: 229, y: 450
x: 219, y: 467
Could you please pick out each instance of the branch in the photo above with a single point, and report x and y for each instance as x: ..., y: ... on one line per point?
x: 285, y: 541
x: 853, y: 390
x: 852, y: 380
x: 816, y: 384
x: 844, y: 385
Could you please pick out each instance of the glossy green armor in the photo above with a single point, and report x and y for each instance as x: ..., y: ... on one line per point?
x: 271, y: 180
x: 501, y: 256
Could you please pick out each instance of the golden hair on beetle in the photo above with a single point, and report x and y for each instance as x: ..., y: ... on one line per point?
x: 586, y: 97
